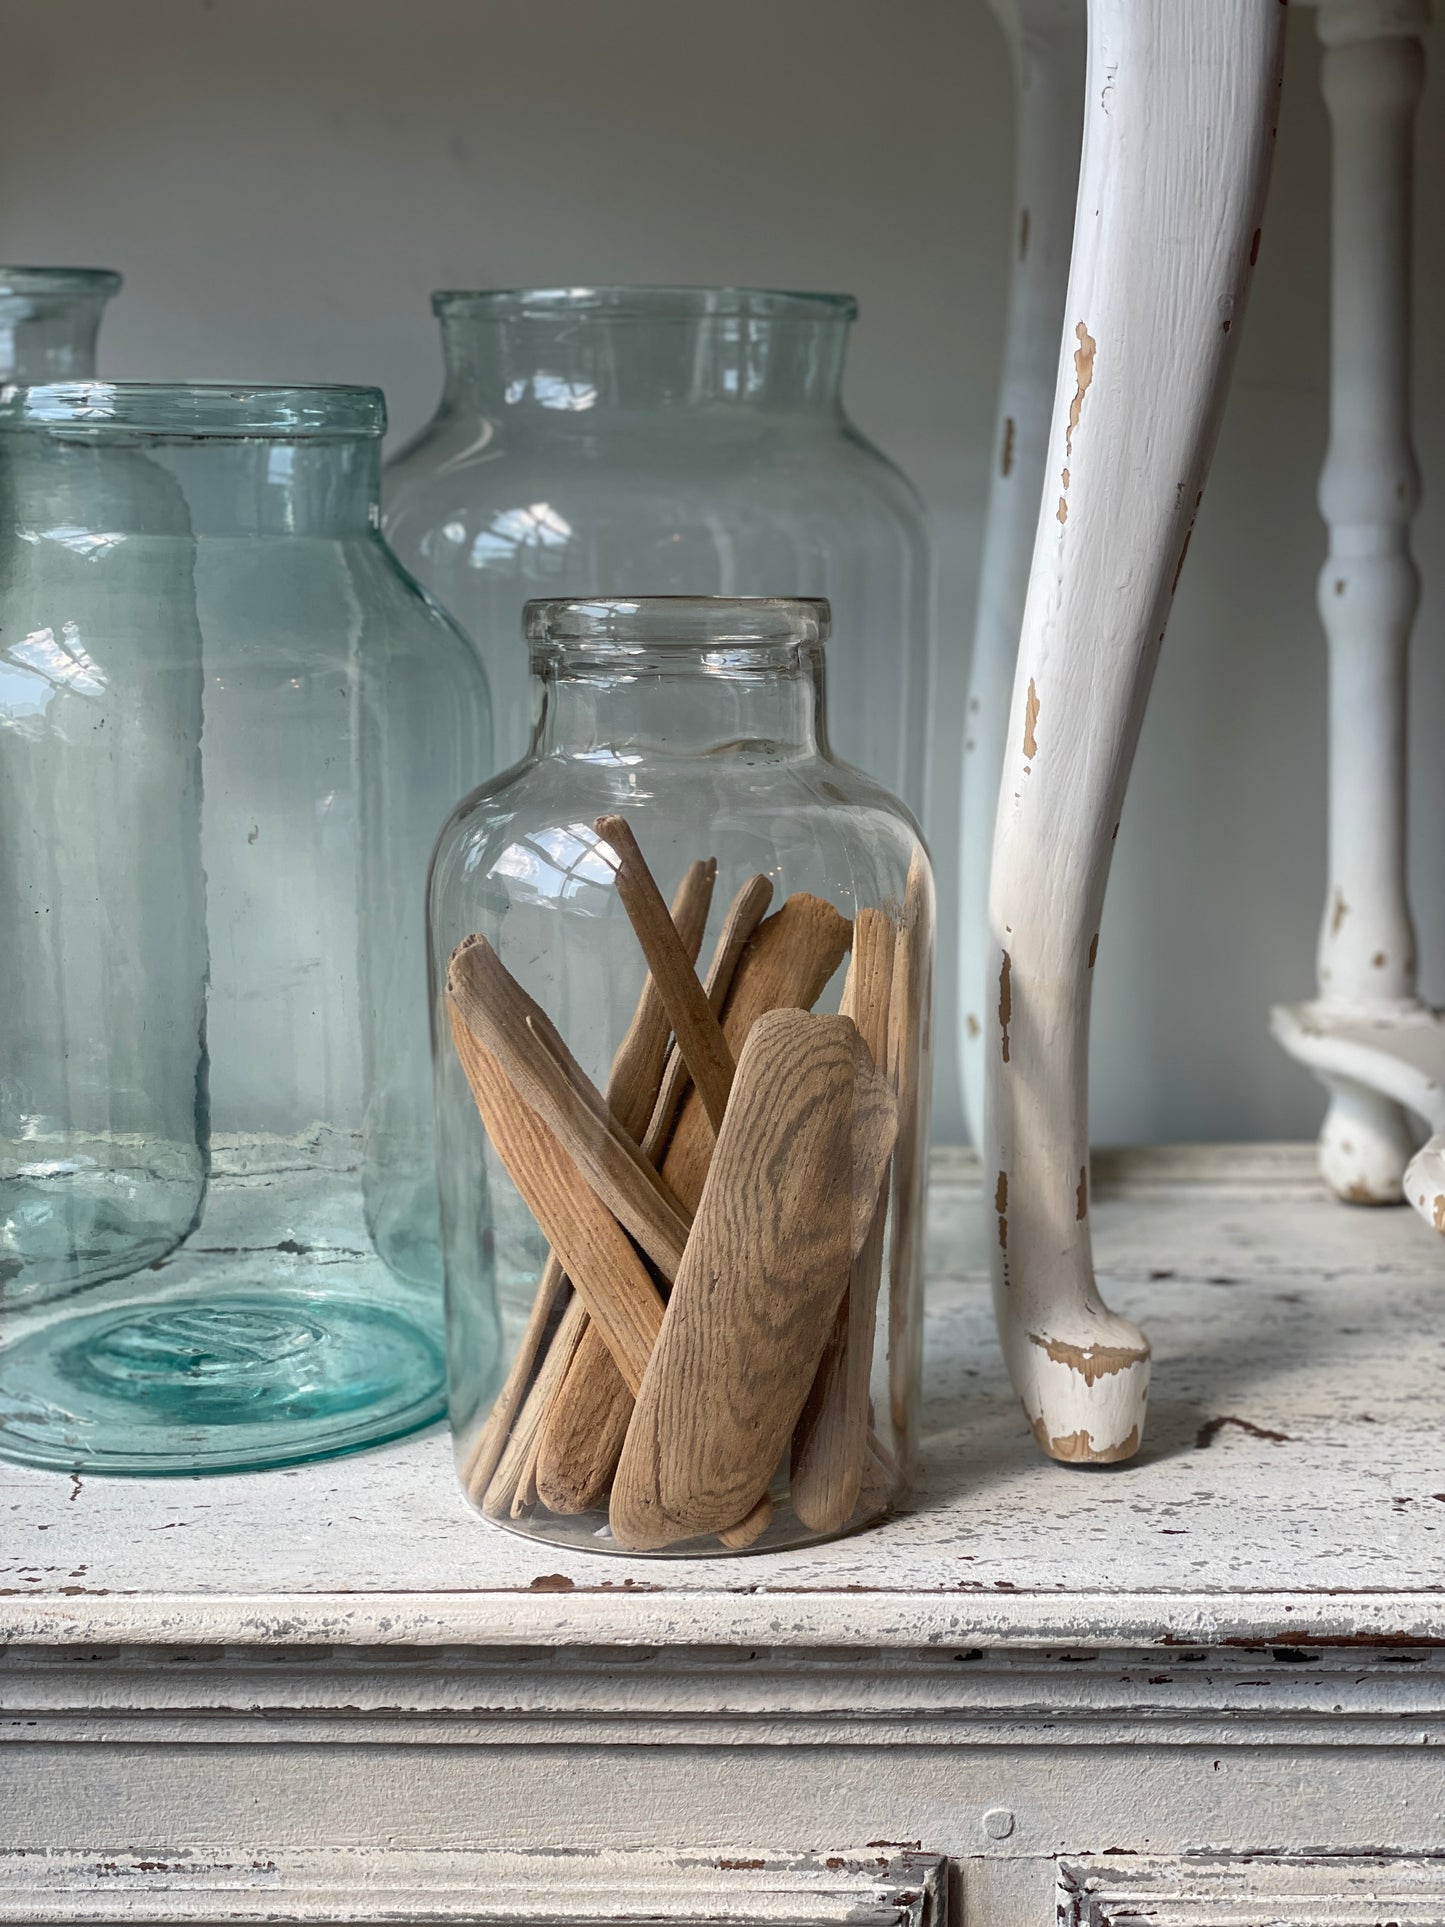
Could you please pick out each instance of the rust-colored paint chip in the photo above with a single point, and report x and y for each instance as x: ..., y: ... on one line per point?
x: 1091, y: 1362
x: 1084, y: 373
x: 1006, y: 453
x: 1093, y: 949
x: 1081, y: 1210
x: 1440, y: 1211
x: 1339, y: 910
x: 1031, y: 717
x: 1000, y: 1204
x: 1063, y: 511
x: 1005, y: 1000
x: 972, y: 1025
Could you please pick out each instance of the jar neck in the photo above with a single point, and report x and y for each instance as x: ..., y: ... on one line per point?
x: 201, y: 485
x: 653, y: 709
x: 47, y: 333
x: 568, y: 369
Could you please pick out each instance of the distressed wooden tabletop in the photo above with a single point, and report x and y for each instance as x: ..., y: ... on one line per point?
x: 1291, y: 1486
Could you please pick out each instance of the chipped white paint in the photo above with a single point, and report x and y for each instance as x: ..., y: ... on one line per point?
x: 1046, y: 47
x: 264, y: 1883
x: 1218, y: 1532
x: 1178, y: 129
x: 1369, y: 588
x: 1398, y: 1054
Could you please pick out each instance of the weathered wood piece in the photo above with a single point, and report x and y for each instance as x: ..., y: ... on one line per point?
x: 745, y: 913
x: 830, y: 1443
x: 486, y: 1449
x: 1178, y: 133
x: 535, y: 1060
x: 910, y: 994
x: 585, y: 1428
x: 786, y: 965
x: 787, y: 1203
x: 512, y: 1487
x: 586, y: 1421
x: 698, y: 1033
x: 595, y: 1251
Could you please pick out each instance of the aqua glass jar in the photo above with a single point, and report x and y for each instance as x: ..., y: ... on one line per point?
x: 49, y: 318
x: 681, y: 965
x: 229, y: 727
x: 656, y: 441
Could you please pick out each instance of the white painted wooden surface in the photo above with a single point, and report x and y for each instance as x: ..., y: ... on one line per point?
x: 1369, y: 588
x: 1272, y: 1310
x: 1046, y: 48
x: 1178, y: 130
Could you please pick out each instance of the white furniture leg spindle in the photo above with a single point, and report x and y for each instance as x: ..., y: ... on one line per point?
x: 1179, y: 123
x: 1046, y: 45
x: 1373, y: 70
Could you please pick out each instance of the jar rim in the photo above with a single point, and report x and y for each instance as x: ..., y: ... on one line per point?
x: 105, y: 409
x: 646, y: 303
x: 603, y: 628
x: 58, y: 281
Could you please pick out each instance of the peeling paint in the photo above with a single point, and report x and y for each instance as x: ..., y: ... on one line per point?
x: 1339, y: 910
x: 1000, y: 1205
x: 1439, y: 1214
x: 1023, y: 232
x: 1081, y: 1209
x: 1254, y: 247
x: 1091, y: 1362
x: 1005, y: 1000
x: 1211, y: 1429
x: 972, y: 1025
x: 1078, y: 1448
x: 1063, y: 512
x: 1031, y: 717
x: 1084, y: 372
x: 1093, y: 949
x: 1006, y: 453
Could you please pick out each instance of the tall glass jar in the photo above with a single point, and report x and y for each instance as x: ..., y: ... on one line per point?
x: 685, y: 1190
x: 49, y: 318
x: 229, y: 728
x: 660, y: 441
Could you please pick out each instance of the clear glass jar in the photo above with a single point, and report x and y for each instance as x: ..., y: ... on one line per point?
x: 710, y: 1325
x: 230, y: 725
x: 49, y: 318
x: 657, y: 441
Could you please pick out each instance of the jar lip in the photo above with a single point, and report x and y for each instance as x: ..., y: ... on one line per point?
x: 183, y: 410
x: 646, y: 303
x: 601, y: 629
x: 58, y: 281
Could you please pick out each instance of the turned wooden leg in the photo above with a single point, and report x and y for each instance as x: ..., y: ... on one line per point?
x: 1046, y: 44
x: 1178, y: 129
x: 1369, y: 491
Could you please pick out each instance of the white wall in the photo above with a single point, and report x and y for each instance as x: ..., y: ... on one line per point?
x: 284, y: 181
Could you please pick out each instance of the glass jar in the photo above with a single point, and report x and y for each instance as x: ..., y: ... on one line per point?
x: 49, y: 318
x: 702, y: 1256
x: 668, y: 441
x: 229, y: 728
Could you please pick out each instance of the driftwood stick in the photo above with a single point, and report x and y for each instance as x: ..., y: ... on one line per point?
x: 513, y: 1483
x: 748, y: 1530
x: 698, y: 1033
x: 595, y: 1251
x: 830, y: 1444
x: 745, y: 913
x: 486, y: 1449
x: 810, y: 1128
x: 517, y: 1032
x: 581, y: 1436
x: 787, y: 963
x: 907, y: 1042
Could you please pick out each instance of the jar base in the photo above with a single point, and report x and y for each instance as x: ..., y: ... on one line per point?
x: 589, y: 1532
x: 240, y: 1353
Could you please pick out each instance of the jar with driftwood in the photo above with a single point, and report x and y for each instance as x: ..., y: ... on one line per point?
x: 681, y: 963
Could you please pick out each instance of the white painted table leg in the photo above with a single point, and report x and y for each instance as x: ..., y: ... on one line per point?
x: 1178, y: 129
x: 1046, y: 43
x: 1369, y: 491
